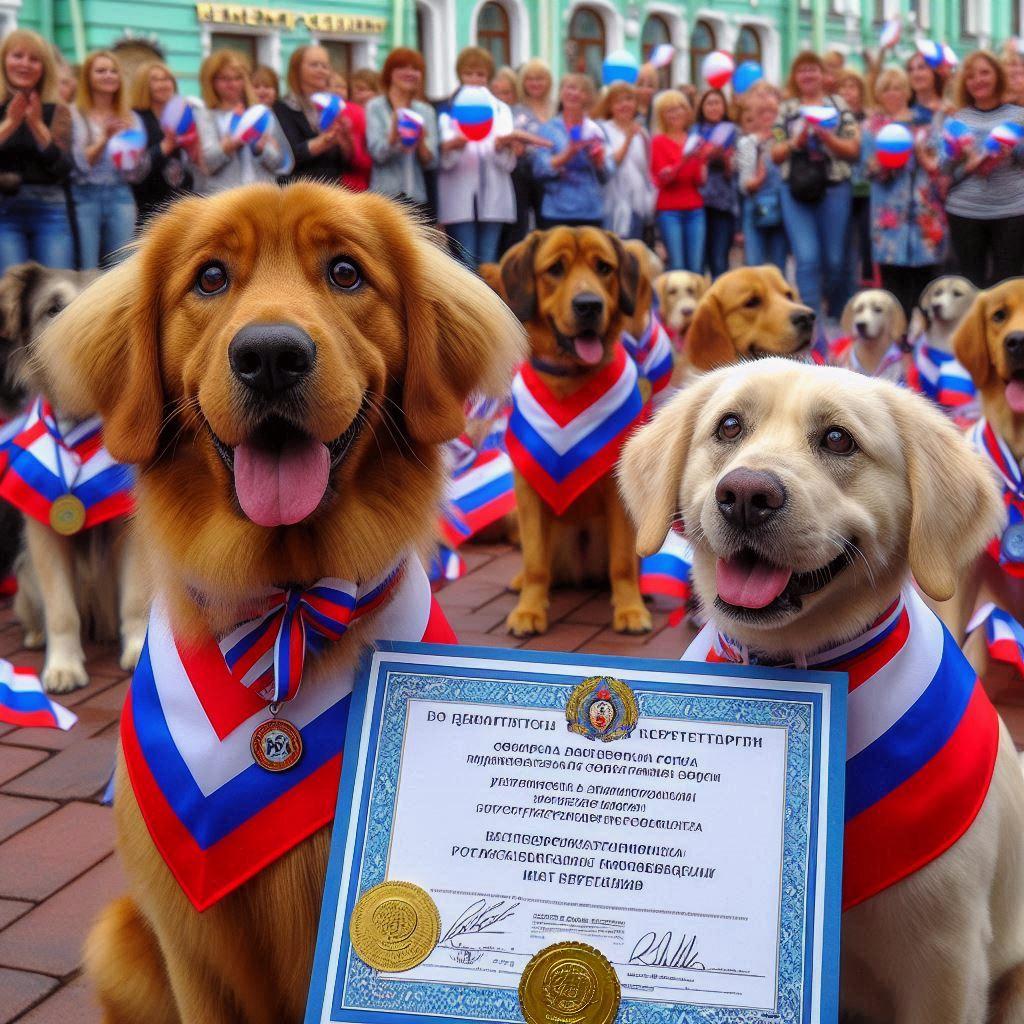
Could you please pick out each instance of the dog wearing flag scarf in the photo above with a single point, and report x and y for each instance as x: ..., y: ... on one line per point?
x: 810, y: 496
x: 874, y: 334
x: 78, y: 574
x: 284, y: 366
x: 574, y: 402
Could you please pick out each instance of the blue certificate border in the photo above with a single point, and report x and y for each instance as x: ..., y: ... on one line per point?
x: 390, y: 999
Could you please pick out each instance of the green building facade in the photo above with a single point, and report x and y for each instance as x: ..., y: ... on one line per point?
x: 568, y: 34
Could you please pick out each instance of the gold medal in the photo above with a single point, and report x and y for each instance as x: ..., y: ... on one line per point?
x: 67, y: 515
x: 569, y: 983
x: 394, y: 926
x: 276, y: 745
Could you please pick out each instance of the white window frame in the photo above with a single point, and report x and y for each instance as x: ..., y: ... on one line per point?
x: 679, y: 36
x: 8, y: 16
x: 364, y: 48
x: 439, y: 54
x: 519, y: 42
x: 614, y: 24
x: 771, y: 44
x: 268, y: 41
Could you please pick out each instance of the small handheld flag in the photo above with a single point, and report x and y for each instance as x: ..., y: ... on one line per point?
x: 1003, y: 137
x: 723, y: 135
x: 251, y: 124
x: 662, y: 55
x: 410, y: 127
x: 822, y: 116
x: 717, y: 69
x: 890, y: 34
x: 23, y: 702
x: 893, y: 146
x: 746, y: 75
x: 957, y: 138
x: 126, y: 149
x: 473, y: 112
x: 949, y: 57
x: 329, y: 106
x: 931, y: 51
x: 178, y: 117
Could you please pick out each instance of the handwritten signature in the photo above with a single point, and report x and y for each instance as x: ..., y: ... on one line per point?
x: 664, y: 950
x: 479, y: 918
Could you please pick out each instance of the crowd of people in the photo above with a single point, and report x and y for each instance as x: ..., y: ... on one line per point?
x: 708, y: 176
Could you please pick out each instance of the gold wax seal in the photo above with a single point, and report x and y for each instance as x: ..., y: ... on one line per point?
x: 67, y: 515
x: 569, y: 983
x: 394, y: 926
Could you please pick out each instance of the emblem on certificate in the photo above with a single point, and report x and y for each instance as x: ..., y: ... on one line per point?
x: 602, y: 708
x: 394, y: 926
x: 67, y: 515
x: 569, y: 983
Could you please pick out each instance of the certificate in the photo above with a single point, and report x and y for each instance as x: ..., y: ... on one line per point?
x: 683, y: 819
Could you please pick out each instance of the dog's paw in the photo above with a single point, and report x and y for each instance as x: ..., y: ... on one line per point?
x: 63, y: 676
x: 34, y: 639
x: 516, y: 583
x: 527, y: 621
x: 130, y: 651
x: 631, y: 619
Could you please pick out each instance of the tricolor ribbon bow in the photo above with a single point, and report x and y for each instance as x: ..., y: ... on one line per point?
x: 267, y: 653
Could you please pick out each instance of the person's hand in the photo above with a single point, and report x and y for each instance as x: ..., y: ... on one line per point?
x: 596, y: 153
x: 34, y: 111
x: 261, y: 143
x: 113, y: 125
x: 17, y: 109
x: 666, y: 174
x: 975, y: 160
x: 799, y: 141
x: 231, y: 145
x: 169, y: 143
x: 459, y: 141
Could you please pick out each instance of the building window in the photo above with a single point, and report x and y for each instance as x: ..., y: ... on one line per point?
x: 1015, y: 18
x: 748, y: 45
x: 656, y: 32
x: 341, y: 55
x: 586, y: 44
x: 248, y: 45
x: 494, y: 34
x: 702, y: 42
x: 969, y: 18
x: 878, y: 11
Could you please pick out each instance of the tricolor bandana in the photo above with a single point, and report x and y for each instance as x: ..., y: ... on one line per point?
x: 445, y: 565
x: 652, y: 353
x: 1004, y: 635
x: 921, y: 742
x: 217, y: 817
x: 23, y: 702
x: 940, y: 376
x: 562, y: 446
x: 1008, y: 549
x: 480, y: 492
x: 45, y: 460
x: 666, y: 574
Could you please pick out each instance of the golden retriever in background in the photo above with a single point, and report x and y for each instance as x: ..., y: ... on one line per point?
x: 777, y: 469
x: 678, y: 292
x: 939, y: 310
x: 650, y: 268
x: 306, y: 328
x: 747, y: 313
x: 875, y: 324
x: 573, y: 289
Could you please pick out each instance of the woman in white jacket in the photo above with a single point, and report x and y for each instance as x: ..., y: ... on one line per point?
x: 475, y: 195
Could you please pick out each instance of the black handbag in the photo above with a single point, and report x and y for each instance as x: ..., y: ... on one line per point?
x: 808, y: 176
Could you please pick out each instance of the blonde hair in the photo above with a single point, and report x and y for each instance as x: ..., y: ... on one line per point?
x: 961, y: 97
x: 48, y: 80
x: 537, y: 67
x: 84, y: 98
x: 611, y: 96
x: 262, y: 75
x: 849, y: 75
x: 506, y: 74
x: 217, y: 62
x: 893, y: 77
x: 472, y: 58
x: 142, y: 95
x: 665, y: 100
x: 581, y: 81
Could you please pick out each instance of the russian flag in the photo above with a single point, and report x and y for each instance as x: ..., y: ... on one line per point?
x: 479, y: 494
x: 23, y: 702
x: 446, y: 564
x: 666, y: 574
x: 1004, y: 635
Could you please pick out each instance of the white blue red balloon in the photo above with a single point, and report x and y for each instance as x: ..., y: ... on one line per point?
x: 893, y: 145
x: 746, y: 75
x: 717, y: 69
x: 473, y: 112
x: 620, y: 66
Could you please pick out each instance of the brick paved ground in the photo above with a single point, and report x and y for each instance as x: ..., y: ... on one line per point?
x: 57, y: 860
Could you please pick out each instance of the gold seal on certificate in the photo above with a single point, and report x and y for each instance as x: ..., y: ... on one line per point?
x: 67, y: 515
x: 602, y: 708
x: 569, y: 983
x: 394, y: 926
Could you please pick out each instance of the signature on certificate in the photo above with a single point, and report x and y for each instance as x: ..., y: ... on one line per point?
x: 470, y: 933
x: 663, y: 949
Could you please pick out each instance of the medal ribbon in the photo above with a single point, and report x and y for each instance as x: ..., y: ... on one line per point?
x: 998, y: 453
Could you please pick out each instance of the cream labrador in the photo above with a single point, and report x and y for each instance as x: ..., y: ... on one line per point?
x: 939, y: 310
x: 810, y: 495
x: 875, y: 325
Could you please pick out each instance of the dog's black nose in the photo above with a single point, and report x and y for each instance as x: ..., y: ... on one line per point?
x: 747, y: 498
x: 587, y: 306
x: 1014, y: 344
x: 802, y: 320
x: 861, y: 325
x: 271, y: 358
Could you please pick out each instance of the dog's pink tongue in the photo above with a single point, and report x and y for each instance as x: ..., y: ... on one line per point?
x: 281, y: 488
x: 1015, y: 396
x: 749, y: 584
x: 588, y: 350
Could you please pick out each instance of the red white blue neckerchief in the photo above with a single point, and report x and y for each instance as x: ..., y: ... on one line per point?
x: 921, y: 743
x: 23, y: 702
x: 940, y: 376
x: 562, y: 446
x: 480, y: 491
x: 892, y: 365
x: 652, y: 353
x: 445, y: 565
x: 46, y: 459
x: 216, y: 816
x: 666, y: 575
x: 998, y: 453
x: 1004, y: 635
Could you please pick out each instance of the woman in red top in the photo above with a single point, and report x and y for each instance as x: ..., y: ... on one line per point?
x: 678, y: 176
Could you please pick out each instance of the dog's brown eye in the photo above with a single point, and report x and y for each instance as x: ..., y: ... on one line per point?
x: 212, y: 278
x: 604, y: 268
x: 344, y: 274
x: 753, y: 302
x: 730, y: 427
x: 839, y: 441
x: 999, y: 316
x: 556, y: 269
x: 789, y: 294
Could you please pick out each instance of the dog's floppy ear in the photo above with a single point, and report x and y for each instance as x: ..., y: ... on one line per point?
x: 100, y: 355
x: 956, y: 506
x: 970, y: 342
x: 518, y: 277
x: 15, y: 287
x: 651, y: 466
x: 462, y: 340
x: 491, y: 273
x: 629, y: 276
x: 897, y: 316
x: 846, y: 320
x: 707, y: 341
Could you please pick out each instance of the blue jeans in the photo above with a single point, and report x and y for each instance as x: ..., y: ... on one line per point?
x: 763, y: 245
x: 817, y: 236
x: 682, y: 231
x: 34, y: 225
x: 106, y: 223
x: 721, y: 229
x: 476, y: 241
